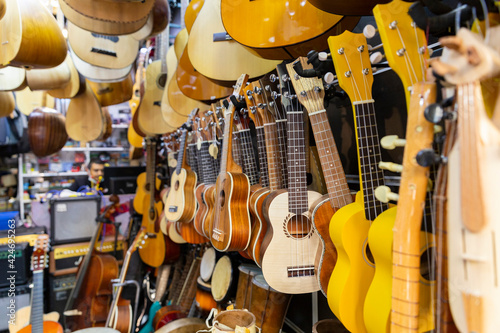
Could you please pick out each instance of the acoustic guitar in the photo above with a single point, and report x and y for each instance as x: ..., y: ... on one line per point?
x: 347, y: 8
x: 102, y: 50
x: 7, y: 103
x: 264, y: 34
x: 473, y: 184
x: 49, y: 78
x: 28, y: 100
x: 231, y: 226
x: 108, y: 17
x: 387, y: 307
x: 293, y: 271
x: 111, y: 93
x: 30, y: 36
x: 75, y: 84
x: 38, y: 321
x: 149, y: 114
x: 12, y: 78
x: 227, y: 59
x: 153, y: 252
x: 349, y: 226
x: 311, y: 95
x: 133, y: 137
x: 180, y: 204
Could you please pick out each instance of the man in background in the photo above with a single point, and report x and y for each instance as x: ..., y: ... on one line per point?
x: 95, y: 172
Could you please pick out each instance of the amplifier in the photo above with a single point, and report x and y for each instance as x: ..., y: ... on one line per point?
x: 59, y: 291
x: 22, y: 257
x: 22, y: 299
x: 65, y: 259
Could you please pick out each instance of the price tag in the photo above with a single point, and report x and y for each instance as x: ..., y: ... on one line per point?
x: 198, y: 144
x: 213, y: 150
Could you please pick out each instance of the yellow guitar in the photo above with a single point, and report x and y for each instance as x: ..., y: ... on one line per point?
x: 349, y: 226
x: 395, y: 239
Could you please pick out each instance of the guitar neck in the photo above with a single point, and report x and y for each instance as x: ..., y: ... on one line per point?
x: 273, y: 156
x: 192, y: 157
x: 281, y: 126
x: 248, y: 156
x: 261, y: 143
x: 37, y: 303
x: 297, y: 187
x: 227, y: 163
x: 208, y: 170
x: 117, y: 294
x: 182, y: 150
x: 369, y: 157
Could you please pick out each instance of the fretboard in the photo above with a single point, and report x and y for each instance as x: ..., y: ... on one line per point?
x: 227, y: 143
x: 207, y: 167
x: 369, y: 158
x: 180, y: 155
x: 261, y: 143
x: 37, y: 303
x: 248, y: 157
x: 297, y: 179
x: 281, y: 126
x: 193, y: 158
x: 273, y: 157
x: 335, y: 179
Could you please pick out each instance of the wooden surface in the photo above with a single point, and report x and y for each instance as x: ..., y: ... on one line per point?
x: 28, y: 100
x: 227, y: 59
x: 181, y: 196
x: 191, y: 13
x: 286, y: 30
x: 84, y: 120
x: 7, y: 103
x: 347, y: 8
x: 160, y: 15
x: 12, y: 78
x: 49, y: 78
x: 75, y: 84
x: 107, y: 17
x: 46, y: 131
x: 102, y: 50
x: 99, y: 74
x: 111, y: 93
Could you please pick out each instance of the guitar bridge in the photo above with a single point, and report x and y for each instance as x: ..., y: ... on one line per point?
x: 298, y: 271
x: 172, y: 209
x: 105, y: 52
x: 217, y: 235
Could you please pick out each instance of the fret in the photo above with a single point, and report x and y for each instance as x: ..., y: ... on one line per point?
x: 208, y: 168
x: 180, y: 156
x: 281, y: 126
x: 273, y: 156
x: 264, y: 167
x: 297, y: 179
x: 248, y: 156
x: 193, y: 159
x: 37, y: 303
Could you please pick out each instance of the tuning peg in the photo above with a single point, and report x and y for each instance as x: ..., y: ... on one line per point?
x: 374, y: 48
x: 376, y: 57
x: 384, y: 194
x: 323, y: 56
x: 435, y: 112
x: 329, y: 78
x: 273, y: 78
x: 438, y: 129
x: 257, y: 90
x: 427, y: 157
x: 275, y: 95
x: 394, y: 167
x: 390, y: 142
x: 369, y: 31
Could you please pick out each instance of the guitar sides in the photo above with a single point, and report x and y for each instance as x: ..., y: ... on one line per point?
x: 180, y: 205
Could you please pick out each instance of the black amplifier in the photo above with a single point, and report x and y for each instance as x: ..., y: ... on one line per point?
x: 59, y: 291
x: 15, y: 262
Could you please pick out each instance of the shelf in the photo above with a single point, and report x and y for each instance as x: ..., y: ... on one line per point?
x: 93, y: 149
x: 119, y: 126
x: 54, y: 174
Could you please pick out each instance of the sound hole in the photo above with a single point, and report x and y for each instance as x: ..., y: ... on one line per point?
x: 162, y: 80
x: 176, y: 186
x: 298, y: 226
x: 222, y: 198
x: 148, y: 187
x: 427, y: 264
x: 368, y: 256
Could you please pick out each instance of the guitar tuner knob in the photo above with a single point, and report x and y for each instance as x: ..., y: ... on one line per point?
x: 275, y: 95
x: 285, y: 78
x: 369, y: 31
x: 262, y: 105
x: 390, y: 142
x: 329, y: 78
x: 376, y: 57
x: 435, y: 112
x: 267, y: 87
x: 394, y: 167
x: 257, y: 90
x: 384, y: 194
x: 273, y: 78
x: 427, y: 157
x: 323, y: 56
x: 249, y: 92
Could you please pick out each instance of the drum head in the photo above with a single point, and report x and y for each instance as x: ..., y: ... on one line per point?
x: 222, y: 278
x: 250, y: 269
x: 207, y: 264
x: 260, y: 282
x: 203, y: 285
x: 183, y: 325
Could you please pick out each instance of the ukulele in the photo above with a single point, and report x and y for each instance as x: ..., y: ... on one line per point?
x: 473, y: 184
x: 26, y: 29
x: 264, y: 34
x: 120, y: 312
x: 38, y: 321
x: 227, y: 59
x: 102, y: 50
x: 146, y: 203
x: 149, y: 115
x: 349, y: 226
x: 311, y: 95
x: 230, y: 230
x: 291, y: 245
x: 133, y: 137
x: 180, y: 204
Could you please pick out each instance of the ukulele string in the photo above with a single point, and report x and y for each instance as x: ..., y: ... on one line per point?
x: 409, y: 66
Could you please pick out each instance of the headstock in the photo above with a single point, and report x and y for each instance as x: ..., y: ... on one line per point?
x: 39, y: 259
x: 252, y: 104
x: 218, y: 118
x: 287, y: 92
x: 404, y: 43
x: 139, y: 240
x: 270, y: 85
x: 352, y: 63
x: 310, y: 89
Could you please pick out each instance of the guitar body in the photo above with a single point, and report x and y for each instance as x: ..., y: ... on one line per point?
x: 150, y: 118
x: 173, y: 233
x: 180, y: 204
x: 301, y: 252
x: 208, y: 221
x: 23, y: 319
x: 231, y: 225
x: 111, y: 93
x: 7, y: 103
x: 473, y: 293
x: 108, y: 17
x: 46, y: 132
x: 244, y: 22
x: 102, y: 50
x: 123, y: 317
x: 189, y: 233
x: 48, y: 327
x: 321, y: 216
x: 28, y: 100
x: 12, y: 78
x: 153, y: 251
x: 259, y: 224
x: 75, y: 86
x: 95, y: 294
x: 353, y: 271
x: 49, y: 78
x: 99, y: 74
x: 347, y: 8
x: 226, y: 59
x: 30, y: 36
x: 84, y: 118
x: 201, y: 213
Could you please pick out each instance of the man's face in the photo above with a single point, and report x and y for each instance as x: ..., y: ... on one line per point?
x: 96, y: 171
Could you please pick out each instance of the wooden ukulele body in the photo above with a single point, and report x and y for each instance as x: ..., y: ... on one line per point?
x: 180, y: 204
